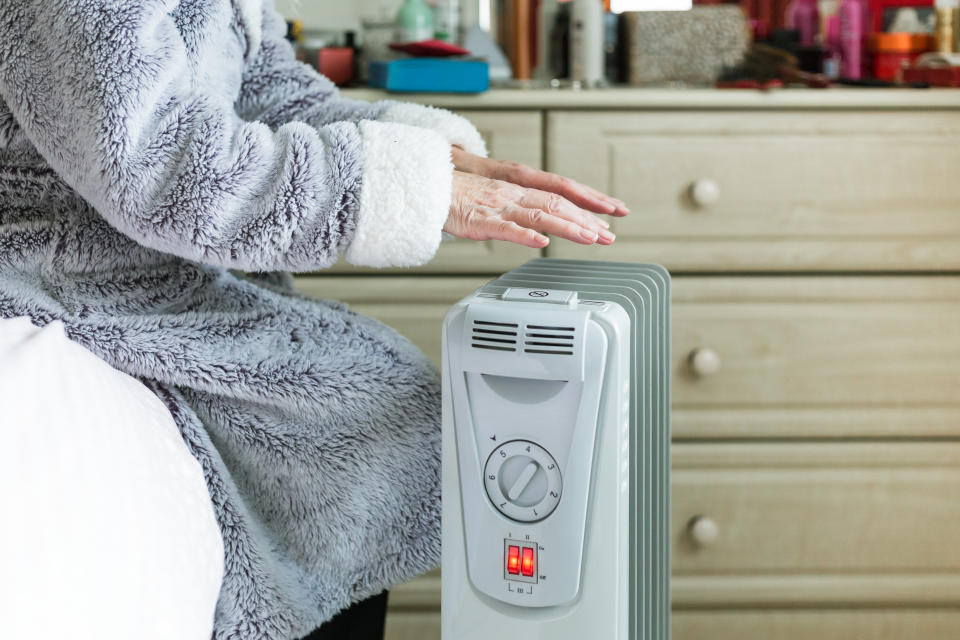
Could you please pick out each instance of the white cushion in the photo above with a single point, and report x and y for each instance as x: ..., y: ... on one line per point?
x: 106, y: 526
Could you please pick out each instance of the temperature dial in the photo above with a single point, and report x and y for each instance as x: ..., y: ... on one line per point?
x: 523, y: 481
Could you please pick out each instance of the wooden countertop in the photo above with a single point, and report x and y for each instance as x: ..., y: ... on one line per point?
x: 690, y: 99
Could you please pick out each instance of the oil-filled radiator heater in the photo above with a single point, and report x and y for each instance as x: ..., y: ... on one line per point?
x: 556, y: 455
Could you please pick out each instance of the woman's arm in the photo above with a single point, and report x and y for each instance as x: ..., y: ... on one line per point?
x: 278, y: 89
x: 105, y: 91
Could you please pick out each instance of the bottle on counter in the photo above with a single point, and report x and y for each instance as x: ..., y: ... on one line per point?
x: 948, y: 25
x: 546, y: 20
x: 852, y: 16
x: 804, y: 16
x: 446, y: 20
x: 586, y: 42
x: 414, y: 22
x: 832, y: 49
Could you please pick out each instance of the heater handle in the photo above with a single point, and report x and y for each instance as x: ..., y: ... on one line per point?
x: 704, y: 361
x: 704, y: 530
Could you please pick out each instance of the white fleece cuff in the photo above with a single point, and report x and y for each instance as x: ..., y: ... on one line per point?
x: 455, y: 129
x: 404, y: 197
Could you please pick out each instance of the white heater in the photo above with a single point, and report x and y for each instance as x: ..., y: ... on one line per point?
x: 556, y: 455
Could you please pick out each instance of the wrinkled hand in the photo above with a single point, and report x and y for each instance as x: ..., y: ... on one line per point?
x: 494, y: 200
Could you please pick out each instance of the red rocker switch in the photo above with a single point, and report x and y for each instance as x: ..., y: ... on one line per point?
x: 513, y: 559
x: 527, y: 563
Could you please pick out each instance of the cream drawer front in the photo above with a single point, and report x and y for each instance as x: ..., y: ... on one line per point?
x: 807, y: 356
x: 770, y: 191
x: 414, y: 306
x: 798, y: 357
x: 804, y: 525
x: 815, y: 523
x: 510, y: 135
x: 842, y: 624
x: 412, y: 625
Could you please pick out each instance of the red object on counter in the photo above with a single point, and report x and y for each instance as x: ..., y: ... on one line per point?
x: 429, y: 49
x: 336, y: 63
x: 893, y: 52
x: 748, y: 83
x: 934, y: 76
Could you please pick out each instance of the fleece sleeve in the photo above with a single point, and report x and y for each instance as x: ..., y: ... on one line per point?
x: 116, y: 97
x: 278, y: 89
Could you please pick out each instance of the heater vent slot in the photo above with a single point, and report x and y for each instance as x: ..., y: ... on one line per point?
x: 543, y: 339
x: 496, y: 336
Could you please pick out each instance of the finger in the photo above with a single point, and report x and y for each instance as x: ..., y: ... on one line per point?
x: 471, y: 163
x: 509, y: 231
x: 555, y: 226
x: 581, y: 195
x: 561, y: 207
x: 621, y: 206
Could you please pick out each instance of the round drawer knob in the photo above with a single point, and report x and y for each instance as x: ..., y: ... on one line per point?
x: 704, y: 361
x: 703, y: 530
x: 705, y: 192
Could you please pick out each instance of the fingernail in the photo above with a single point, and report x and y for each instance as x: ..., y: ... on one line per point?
x: 606, y: 225
x: 607, y: 236
x: 589, y: 236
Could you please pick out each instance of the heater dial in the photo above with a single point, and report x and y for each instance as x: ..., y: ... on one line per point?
x: 523, y: 481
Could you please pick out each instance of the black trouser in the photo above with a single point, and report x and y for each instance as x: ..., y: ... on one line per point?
x: 361, y: 621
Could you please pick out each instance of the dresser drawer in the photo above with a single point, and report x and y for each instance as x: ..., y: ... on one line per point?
x: 412, y: 625
x: 510, y: 135
x: 798, y: 356
x: 816, y: 523
x: 804, y: 525
x: 816, y: 357
x: 828, y: 624
x: 786, y: 190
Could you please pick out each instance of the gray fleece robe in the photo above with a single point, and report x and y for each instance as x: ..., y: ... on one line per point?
x: 148, y: 146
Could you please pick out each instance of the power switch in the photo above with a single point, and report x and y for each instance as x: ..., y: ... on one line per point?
x: 528, y: 565
x: 520, y: 561
x: 513, y: 560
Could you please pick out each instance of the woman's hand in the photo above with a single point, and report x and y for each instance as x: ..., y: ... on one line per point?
x: 495, y: 200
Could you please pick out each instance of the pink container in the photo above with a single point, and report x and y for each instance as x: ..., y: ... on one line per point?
x: 853, y: 24
x: 804, y: 16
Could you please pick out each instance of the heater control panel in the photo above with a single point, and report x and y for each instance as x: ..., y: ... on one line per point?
x: 523, y: 481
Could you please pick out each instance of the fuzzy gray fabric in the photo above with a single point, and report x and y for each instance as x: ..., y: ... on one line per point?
x: 132, y: 177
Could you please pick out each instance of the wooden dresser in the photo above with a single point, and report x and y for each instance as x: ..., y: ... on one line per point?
x: 814, y: 238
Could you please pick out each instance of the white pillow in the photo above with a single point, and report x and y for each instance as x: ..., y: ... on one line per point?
x: 106, y: 526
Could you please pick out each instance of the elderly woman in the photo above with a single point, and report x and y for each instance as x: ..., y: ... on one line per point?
x: 150, y: 150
